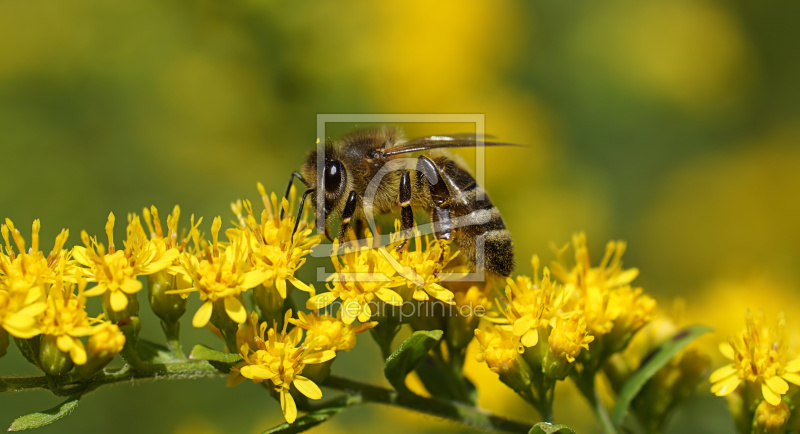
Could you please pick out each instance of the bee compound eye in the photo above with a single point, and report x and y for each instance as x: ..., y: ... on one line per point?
x: 333, y: 176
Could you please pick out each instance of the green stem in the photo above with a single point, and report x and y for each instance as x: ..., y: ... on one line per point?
x: 586, y: 384
x: 545, y: 389
x: 464, y: 414
x: 172, y: 371
x: 172, y: 331
x: 453, y: 374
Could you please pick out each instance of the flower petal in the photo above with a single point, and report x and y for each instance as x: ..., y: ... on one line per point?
x: 118, y: 300
x: 726, y: 350
x: 203, y: 315
x: 778, y: 385
x: 288, y: 406
x: 319, y: 301
x: 723, y: 372
x: 770, y: 396
x: 530, y: 338
x: 307, y: 387
x: 389, y: 296
x: 725, y: 386
x: 253, y: 279
x: 131, y: 286
x: 791, y: 377
x: 318, y: 357
x: 235, y: 309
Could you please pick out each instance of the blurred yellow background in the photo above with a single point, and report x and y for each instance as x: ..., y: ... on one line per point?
x: 672, y: 124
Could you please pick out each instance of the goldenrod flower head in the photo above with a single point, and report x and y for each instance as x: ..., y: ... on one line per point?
x: 759, y: 358
x: 146, y: 256
x: 603, y: 292
x: 20, y: 272
x: 472, y: 303
x: 606, y: 276
x: 533, y: 306
x: 274, y: 251
x: 115, y: 271
x: 423, y: 268
x: 112, y: 271
x: 499, y: 348
x: 19, y: 312
x: 362, y: 276
x: 279, y: 357
x: 105, y: 342
x: 771, y: 419
x: 326, y: 332
x: 631, y: 309
x: 222, y: 273
x: 24, y: 277
x: 569, y: 336
x: 65, y: 318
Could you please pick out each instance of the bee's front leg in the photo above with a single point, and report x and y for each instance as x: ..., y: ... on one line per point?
x: 406, y: 213
x: 347, y: 215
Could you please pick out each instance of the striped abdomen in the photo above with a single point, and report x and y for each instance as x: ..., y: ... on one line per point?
x: 478, y: 226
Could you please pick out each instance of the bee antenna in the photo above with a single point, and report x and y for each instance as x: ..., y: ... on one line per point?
x: 289, y: 187
x: 300, y: 210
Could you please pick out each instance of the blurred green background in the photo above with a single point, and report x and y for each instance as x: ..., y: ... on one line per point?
x: 672, y: 124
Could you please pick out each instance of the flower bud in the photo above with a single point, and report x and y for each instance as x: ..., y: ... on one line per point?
x: 168, y: 307
x: 771, y: 419
x: 131, y: 310
x: 103, y: 345
x: 502, y: 351
x: 52, y: 360
x: 270, y: 303
x: 566, y: 340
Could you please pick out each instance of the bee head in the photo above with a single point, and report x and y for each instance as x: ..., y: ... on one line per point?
x: 331, y: 181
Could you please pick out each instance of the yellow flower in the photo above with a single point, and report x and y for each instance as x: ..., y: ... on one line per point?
x: 499, y: 348
x: 759, y: 358
x: 274, y: 250
x: 423, y: 268
x: 24, y: 277
x: 66, y: 319
x: 363, y: 275
x: 222, y: 273
x: 18, y: 313
x: 279, y: 358
x: 569, y: 336
x: 115, y: 271
x: 606, y: 276
x: 604, y: 293
x: 326, y: 332
x: 533, y: 306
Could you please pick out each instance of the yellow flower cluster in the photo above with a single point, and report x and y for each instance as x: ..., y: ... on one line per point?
x: 760, y: 360
x: 546, y: 326
x: 38, y: 299
x: 366, y: 273
x: 261, y: 253
x: 280, y: 357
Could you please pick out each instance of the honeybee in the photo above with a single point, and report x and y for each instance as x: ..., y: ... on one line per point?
x: 369, y: 172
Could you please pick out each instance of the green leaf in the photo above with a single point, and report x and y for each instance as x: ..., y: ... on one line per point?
x: 306, y: 422
x: 408, y: 355
x: 547, y: 428
x: 40, y: 419
x: 655, y: 361
x: 152, y: 352
x: 202, y: 352
x: 222, y: 361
